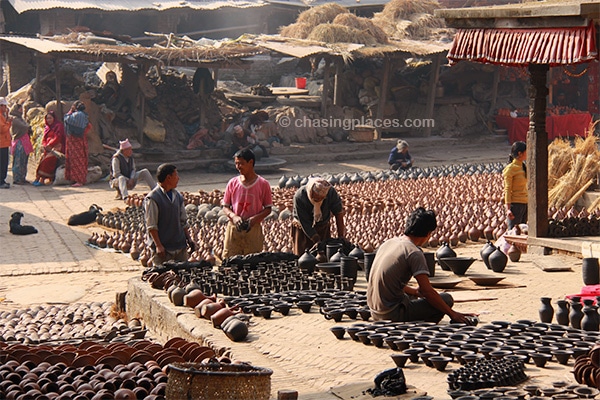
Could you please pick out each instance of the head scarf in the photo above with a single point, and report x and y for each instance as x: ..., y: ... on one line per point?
x: 319, y: 187
x: 124, y: 144
x: 401, y: 145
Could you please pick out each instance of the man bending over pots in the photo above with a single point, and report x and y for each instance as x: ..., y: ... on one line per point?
x: 398, y: 260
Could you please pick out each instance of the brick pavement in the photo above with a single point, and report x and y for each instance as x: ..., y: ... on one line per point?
x: 303, y: 353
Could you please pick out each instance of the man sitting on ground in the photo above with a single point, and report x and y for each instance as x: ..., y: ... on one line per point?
x: 123, y: 175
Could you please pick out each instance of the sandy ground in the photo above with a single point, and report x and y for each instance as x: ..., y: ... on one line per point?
x: 55, y: 266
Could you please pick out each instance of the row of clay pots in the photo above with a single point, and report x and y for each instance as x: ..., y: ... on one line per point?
x: 468, y: 208
x: 50, y: 323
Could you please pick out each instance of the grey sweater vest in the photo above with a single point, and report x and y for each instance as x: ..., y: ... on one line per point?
x: 170, y: 231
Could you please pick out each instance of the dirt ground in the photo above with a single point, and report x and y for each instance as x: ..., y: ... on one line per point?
x: 55, y: 266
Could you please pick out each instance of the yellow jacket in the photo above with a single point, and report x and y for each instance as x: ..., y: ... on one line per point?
x: 515, y: 183
x: 4, y: 131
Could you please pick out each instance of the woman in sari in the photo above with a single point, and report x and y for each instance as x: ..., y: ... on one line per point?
x: 53, y: 143
x: 76, y: 127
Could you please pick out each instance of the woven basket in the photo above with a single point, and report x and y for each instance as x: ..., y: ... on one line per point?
x: 216, y: 381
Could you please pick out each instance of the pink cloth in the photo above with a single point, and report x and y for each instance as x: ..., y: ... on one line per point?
x: 247, y: 201
x: 25, y: 141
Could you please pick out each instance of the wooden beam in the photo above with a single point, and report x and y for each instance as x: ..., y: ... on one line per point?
x: 433, y: 80
x: 36, y: 89
x: 383, y: 93
x: 537, y: 153
x: 517, y: 23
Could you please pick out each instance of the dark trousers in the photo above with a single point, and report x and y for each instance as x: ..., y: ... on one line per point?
x: 520, y: 212
x: 3, y: 164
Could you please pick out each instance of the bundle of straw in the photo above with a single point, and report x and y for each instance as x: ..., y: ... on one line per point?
x: 362, y: 24
x: 321, y: 14
x: 334, y: 33
x: 298, y: 30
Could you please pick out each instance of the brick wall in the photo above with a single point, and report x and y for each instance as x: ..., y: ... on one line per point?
x: 19, y: 68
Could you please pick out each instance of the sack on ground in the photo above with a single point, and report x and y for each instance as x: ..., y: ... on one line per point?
x: 93, y: 175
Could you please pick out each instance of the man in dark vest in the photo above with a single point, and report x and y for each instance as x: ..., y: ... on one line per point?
x: 166, y: 219
x: 123, y: 175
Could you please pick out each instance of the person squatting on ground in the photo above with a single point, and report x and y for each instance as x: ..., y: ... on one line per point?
x: 314, y: 203
x: 400, y: 157
x: 247, y: 202
x: 515, y: 186
x: 5, y: 122
x: 397, y: 261
x: 166, y: 219
x: 53, y: 144
x: 77, y: 124
x: 123, y: 176
x: 20, y: 146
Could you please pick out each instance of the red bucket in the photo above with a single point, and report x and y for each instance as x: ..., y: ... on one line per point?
x: 300, y: 83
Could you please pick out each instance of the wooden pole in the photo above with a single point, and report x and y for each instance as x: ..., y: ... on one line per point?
x: 537, y: 153
x: 337, y: 91
x: 494, y: 90
x: 325, y: 93
x: 58, y: 93
x: 36, y: 90
x: 383, y: 93
x: 433, y: 80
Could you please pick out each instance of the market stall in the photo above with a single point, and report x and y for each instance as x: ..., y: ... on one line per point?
x: 568, y: 125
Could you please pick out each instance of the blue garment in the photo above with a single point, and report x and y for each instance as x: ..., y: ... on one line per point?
x: 75, y: 123
x: 397, y: 157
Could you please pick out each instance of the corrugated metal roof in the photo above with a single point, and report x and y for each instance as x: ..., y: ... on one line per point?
x: 224, y: 52
x: 343, y: 3
x: 22, y: 6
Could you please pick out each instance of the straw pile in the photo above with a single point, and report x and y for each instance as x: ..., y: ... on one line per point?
x: 335, y: 33
x: 332, y: 23
x: 362, y: 24
x: 409, y: 19
x: 572, y: 170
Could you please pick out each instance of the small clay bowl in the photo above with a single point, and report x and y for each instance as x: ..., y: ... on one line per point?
x: 400, y: 359
x: 338, y: 331
x: 540, y: 359
x: 440, y: 362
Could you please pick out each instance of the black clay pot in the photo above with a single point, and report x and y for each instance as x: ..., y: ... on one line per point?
x: 445, y: 251
x: 498, y: 260
x: 307, y: 262
x: 485, y: 252
x: 590, y: 271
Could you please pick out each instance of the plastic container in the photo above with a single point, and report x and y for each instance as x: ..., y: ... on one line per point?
x: 300, y: 83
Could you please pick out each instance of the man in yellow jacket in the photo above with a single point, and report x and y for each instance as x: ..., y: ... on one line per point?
x: 5, y: 122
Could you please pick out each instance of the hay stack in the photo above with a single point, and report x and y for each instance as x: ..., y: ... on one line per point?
x: 298, y: 30
x: 335, y: 33
x: 571, y: 170
x: 362, y: 24
x: 409, y: 18
x: 321, y: 14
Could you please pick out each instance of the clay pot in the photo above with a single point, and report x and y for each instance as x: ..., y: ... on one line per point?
x: 221, y: 315
x: 590, y: 271
x: 485, y: 252
x: 307, y: 262
x: 207, y: 310
x: 235, y: 329
x: 498, y: 260
x: 513, y: 253
x: 445, y: 251
x: 193, y: 298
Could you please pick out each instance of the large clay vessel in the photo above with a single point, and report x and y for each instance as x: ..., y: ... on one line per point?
x: 546, y: 310
x: 498, y: 260
x: 444, y: 251
x: 514, y: 253
x: 332, y: 249
x: 235, y: 329
x: 485, y: 252
x: 562, y: 312
x: 576, y: 313
x: 591, y: 319
x: 307, y: 262
x: 590, y: 271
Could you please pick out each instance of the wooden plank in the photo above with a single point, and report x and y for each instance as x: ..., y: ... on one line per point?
x: 433, y: 80
x: 551, y: 264
x: 383, y: 92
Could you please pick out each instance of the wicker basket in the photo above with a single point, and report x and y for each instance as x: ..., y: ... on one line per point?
x: 217, y: 381
x: 362, y: 133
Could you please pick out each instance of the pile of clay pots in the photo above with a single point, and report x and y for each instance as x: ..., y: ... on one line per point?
x: 587, y: 368
x: 50, y: 323
x: 88, y: 369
